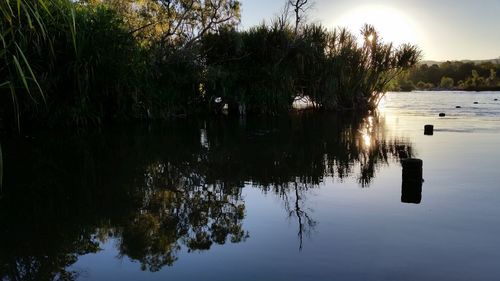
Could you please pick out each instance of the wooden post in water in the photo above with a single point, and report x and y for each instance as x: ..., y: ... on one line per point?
x: 429, y: 130
x: 411, y: 189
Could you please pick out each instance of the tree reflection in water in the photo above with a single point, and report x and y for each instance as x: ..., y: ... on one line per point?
x: 166, y: 188
x: 177, y: 207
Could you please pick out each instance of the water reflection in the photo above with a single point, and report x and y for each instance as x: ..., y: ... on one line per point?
x: 411, y: 192
x: 294, y: 198
x: 177, y: 206
x: 165, y: 188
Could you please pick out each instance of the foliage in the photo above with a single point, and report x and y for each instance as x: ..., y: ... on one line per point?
x: 24, y: 34
x: 266, y: 67
x: 82, y: 63
x: 447, y: 82
x: 103, y: 77
x: 454, y: 76
x: 173, y: 22
x: 70, y: 64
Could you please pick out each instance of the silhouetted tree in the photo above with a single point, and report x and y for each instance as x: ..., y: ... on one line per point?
x: 299, y: 8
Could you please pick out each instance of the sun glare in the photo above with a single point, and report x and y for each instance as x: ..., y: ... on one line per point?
x: 392, y: 24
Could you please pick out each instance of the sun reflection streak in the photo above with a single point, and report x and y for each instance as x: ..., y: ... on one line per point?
x: 367, y: 140
x: 367, y: 131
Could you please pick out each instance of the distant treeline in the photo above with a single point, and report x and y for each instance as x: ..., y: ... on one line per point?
x: 468, y: 76
x: 85, y: 62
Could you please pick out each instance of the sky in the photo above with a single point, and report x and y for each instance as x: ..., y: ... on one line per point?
x: 443, y: 29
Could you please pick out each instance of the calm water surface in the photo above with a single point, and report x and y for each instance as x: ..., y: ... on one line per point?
x: 305, y: 197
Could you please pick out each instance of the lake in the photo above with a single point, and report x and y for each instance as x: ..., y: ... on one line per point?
x: 300, y: 197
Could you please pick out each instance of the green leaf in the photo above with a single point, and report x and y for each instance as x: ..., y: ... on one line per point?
x: 10, y: 12
x: 6, y: 12
x: 28, y: 17
x: 22, y: 76
x: 18, y: 9
x: 31, y: 72
x: 38, y: 18
x: 16, y: 107
x: 2, y: 37
x: 44, y: 5
x: 73, y: 28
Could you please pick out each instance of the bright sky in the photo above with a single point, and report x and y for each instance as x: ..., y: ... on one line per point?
x: 443, y: 29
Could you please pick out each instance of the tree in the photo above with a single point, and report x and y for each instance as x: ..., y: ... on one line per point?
x: 475, y: 80
x: 406, y: 85
x: 447, y: 83
x: 175, y: 22
x: 299, y: 7
x: 492, y: 79
x: 143, y: 17
x: 434, y: 74
x: 188, y: 20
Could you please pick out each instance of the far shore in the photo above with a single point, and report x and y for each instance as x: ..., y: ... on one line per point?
x: 495, y: 89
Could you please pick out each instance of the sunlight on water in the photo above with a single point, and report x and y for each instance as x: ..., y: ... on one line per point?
x: 367, y: 140
x: 367, y: 132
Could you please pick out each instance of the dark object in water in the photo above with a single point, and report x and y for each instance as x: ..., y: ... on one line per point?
x: 403, y: 154
x: 458, y: 106
x: 495, y: 99
x: 476, y: 102
x: 412, y: 169
x: 442, y: 115
x: 429, y: 130
x: 411, y: 192
x: 411, y: 189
